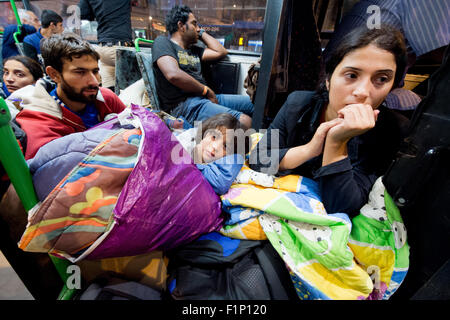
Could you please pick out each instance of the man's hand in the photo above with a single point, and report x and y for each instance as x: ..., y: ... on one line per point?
x: 211, y: 96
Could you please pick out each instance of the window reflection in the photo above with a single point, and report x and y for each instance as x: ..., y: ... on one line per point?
x: 237, y: 24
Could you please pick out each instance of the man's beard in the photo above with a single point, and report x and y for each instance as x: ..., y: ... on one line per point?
x: 193, y: 37
x: 78, y: 96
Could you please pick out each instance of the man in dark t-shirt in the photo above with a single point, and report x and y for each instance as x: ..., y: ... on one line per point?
x: 180, y: 86
x: 114, y: 29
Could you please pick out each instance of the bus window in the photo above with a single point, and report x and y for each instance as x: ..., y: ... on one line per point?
x: 237, y: 24
x: 6, y: 15
x: 67, y: 9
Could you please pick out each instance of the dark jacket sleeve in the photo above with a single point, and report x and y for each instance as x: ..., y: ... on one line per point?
x: 30, y: 51
x: 345, y: 185
x: 274, y: 145
x: 271, y: 149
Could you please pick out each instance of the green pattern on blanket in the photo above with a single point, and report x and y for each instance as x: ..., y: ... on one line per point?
x: 329, y: 257
x: 378, y: 239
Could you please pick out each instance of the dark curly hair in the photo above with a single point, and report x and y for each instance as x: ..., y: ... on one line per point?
x: 177, y: 13
x: 65, y: 46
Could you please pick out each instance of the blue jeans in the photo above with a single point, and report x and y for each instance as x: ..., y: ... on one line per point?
x: 199, y: 108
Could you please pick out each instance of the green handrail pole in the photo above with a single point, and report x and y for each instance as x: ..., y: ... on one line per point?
x: 18, y: 172
x: 136, y: 43
x: 16, y: 13
x: 14, y: 162
x: 19, y: 23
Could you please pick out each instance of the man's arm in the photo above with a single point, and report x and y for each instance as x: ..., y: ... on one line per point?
x: 214, y: 50
x: 172, y: 72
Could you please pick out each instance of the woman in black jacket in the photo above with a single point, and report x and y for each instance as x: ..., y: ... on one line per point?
x: 341, y: 136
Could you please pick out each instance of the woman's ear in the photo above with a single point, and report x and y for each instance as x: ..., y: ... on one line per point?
x: 327, y: 84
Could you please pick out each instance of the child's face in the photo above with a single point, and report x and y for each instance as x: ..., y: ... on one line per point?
x: 212, y: 146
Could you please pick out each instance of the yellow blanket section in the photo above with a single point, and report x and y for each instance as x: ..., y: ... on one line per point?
x: 254, y: 198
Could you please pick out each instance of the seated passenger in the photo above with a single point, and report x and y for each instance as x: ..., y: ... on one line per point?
x: 341, y: 136
x: 18, y: 72
x: 180, y: 85
x: 51, y: 24
x: 30, y: 23
x: 76, y: 104
x: 218, y: 149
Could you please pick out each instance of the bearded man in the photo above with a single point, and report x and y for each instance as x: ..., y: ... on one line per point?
x: 76, y: 104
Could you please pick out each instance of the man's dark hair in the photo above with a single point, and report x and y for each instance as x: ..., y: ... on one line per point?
x: 49, y: 16
x: 177, y: 13
x: 386, y: 37
x: 65, y: 46
x: 31, y: 64
x: 224, y: 122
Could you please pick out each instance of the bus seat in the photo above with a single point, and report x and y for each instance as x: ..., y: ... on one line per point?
x: 127, y: 69
x: 144, y: 60
x: 20, y: 49
x: 418, y: 181
x: 222, y: 76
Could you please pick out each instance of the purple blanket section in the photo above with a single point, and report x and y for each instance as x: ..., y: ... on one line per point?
x: 162, y: 204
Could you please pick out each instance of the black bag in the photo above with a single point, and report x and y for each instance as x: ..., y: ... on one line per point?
x: 215, y: 267
x: 111, y: 287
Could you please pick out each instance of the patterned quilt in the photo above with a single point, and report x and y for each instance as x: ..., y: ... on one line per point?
x: 328, y: 255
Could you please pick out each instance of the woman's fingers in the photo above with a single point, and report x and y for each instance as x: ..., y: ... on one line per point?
x: 315, y: 146
x: 356, y: 119
x: 359, y: 116
x: 324, y: 127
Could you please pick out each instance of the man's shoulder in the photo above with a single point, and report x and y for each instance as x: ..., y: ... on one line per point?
x: 33, y: 38
x: 10, y: 28
x: 162, y: 47
x: 29, y: 38
x: 108, y: 94
x: 111, y: 100
x: 161, y: 39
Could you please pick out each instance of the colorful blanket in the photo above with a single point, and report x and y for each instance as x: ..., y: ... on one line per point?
x: 85, y: 198
x: 328, y: 256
